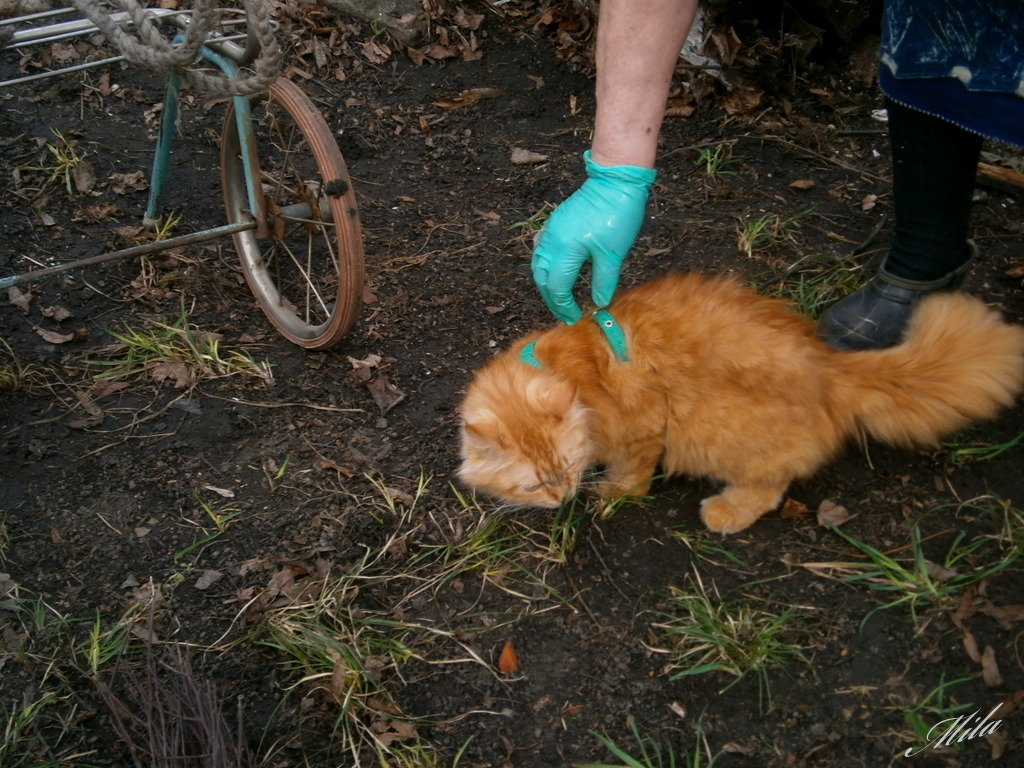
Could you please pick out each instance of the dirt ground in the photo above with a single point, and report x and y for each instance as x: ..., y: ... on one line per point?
x: 314, y: 557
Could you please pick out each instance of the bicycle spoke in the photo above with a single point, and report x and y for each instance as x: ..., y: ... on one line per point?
x: 309, y: 282
x: 324, y: 228
x: 309, y: 269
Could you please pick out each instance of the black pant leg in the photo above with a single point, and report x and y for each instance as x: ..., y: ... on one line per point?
x: 934, y: 164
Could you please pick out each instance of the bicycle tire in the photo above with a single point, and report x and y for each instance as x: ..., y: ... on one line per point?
x: 316, y: 303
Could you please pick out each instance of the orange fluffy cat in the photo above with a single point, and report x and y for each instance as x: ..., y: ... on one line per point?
x: 723, y: 383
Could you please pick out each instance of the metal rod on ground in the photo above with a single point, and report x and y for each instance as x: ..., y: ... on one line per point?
x: 34, y: 16
x: 138, y: 250
x: 98, y: 63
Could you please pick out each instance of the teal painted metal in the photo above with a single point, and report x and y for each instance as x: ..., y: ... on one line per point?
x: 246, y: 136
x: 162, y: 156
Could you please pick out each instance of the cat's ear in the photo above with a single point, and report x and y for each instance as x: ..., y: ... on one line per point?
x: 555, y: 399
x: 483, y: 437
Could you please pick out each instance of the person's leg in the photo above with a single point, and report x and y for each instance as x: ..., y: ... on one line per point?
x: 934, y: 166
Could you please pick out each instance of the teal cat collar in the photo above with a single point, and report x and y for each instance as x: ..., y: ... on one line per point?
x: 527, y: 356
x: 612, y: 331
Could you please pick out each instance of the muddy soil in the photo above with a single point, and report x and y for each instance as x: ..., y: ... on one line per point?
x: 203, y: 512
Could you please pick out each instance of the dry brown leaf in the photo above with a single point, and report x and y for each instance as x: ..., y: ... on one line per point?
x: 742, y: 99
x: 964, y: 609
x: 390, y: 731
x: 224, y: 492
x: 129, y: 234
x: 990, y: 668
x: 207, y: 579
x: 400, y: 496
x: 57, y: 312
x: 416, y: 56
x: 971, y: 648
x: 521, y: 156
x: 482, y: 93
x: 508, y: 661
x: 121, y: 182
x: 363, y: 369
x: 342, y: 679
x: 1005, y: 615
x: 727, y: 43
x: 467, y: 20
x: 95, y: 416
x: 830, y: 513
x: 680, y: 111
x: 438, y: 51
x: 319, y: 53
x: 103, y: 388
x: 145, y: 634
x: 87, y: 403
x: 52, y: 336
x: 939, y: 572
x: 802, y: 185
x: 997, y: 744
x: 468, y: 98
x: 329, y: 464
x: 1008, y: 704
x: 19, y: 298
x: 305, y: 74
x: 469, y: 49
x: 63, y: 53
x: 385, y: 394
x: 793, y: 509
x: 376, y: 53
x: 148, y: 594
x: 96, y: 213
x: 824, y: 96
x: 84, y: 177
x: 179, y: 373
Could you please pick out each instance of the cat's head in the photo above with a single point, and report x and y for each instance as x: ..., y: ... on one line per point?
x: 524, y: 435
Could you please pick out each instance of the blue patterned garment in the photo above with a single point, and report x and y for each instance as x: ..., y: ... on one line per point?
x: 960, y: 60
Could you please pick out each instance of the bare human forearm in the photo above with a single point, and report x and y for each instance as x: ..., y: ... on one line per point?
x: 638, y: 43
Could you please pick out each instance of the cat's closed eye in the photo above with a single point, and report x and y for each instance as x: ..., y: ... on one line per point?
x: 552, y: 482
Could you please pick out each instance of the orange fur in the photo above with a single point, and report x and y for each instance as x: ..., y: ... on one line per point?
x: 726, y: 384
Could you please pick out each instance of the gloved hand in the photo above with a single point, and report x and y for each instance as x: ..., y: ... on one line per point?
x: 598, y: 222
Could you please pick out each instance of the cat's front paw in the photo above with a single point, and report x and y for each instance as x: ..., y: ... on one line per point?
x: 722, y: 517
x: 610, y: 489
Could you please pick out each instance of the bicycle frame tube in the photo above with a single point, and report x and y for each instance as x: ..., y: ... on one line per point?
x: 162, y: 155
x: 168, y: 124
x: 246, y: 142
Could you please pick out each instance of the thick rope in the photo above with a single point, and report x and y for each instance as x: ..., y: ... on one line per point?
x: 143, y: 44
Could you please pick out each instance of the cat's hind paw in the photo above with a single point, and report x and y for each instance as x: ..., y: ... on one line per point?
x: 722, y: 517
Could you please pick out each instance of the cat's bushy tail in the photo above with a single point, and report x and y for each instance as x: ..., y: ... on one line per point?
x: 960, y: 363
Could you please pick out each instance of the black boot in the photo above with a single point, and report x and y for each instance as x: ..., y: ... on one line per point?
x: 876, y: 316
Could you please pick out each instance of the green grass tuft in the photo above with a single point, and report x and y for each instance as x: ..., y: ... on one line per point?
x: 179, y: 352
x: 703, y: 633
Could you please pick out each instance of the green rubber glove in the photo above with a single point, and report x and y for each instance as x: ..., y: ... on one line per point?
x: 597, y: 223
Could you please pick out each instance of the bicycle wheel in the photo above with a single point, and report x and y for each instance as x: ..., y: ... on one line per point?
x: 304, y: 261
